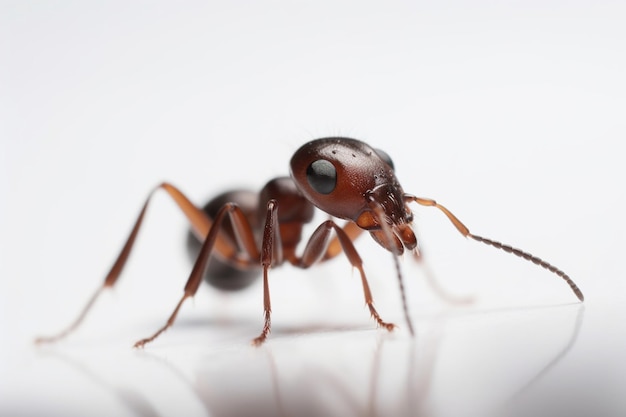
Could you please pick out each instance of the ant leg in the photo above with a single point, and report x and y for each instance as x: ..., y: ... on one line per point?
x: 334, y: 247
x: 200, y: 223
x: 315, y: 251
x: 507, y: 248
x: 69, y: 329
x: 245, y: 237
x: 271, y: 251
x: 441, y: 292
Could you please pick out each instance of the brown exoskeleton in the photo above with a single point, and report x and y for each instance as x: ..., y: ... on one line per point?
x: 243, y: 232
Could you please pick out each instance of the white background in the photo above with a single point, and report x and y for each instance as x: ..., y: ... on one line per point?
x: 509, y: 113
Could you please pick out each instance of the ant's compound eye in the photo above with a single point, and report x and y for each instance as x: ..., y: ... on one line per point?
x: 322, y: 176
x: 385, y: 157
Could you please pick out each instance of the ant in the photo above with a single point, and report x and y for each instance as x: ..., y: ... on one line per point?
x: 241, y: 232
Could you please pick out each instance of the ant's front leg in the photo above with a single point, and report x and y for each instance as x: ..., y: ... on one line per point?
x: 436, y: 286
x: 271, y: 253
x: 316, y: 250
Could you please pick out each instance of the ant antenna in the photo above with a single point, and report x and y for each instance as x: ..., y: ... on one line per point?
x: 532, y: 258
x: 390, y: 238
x: 507, y: 248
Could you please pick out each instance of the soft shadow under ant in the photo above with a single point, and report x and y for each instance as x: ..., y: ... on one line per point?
x: 412, y: 398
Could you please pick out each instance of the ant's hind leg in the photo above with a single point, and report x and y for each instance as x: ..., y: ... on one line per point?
x: 199, y: 221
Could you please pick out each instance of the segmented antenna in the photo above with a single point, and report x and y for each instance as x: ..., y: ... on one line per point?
x: 507, y: 248
x: 380, y: 213
x: 532, y: 258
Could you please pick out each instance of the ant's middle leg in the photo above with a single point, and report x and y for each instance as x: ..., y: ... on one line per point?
x: 245, y: 238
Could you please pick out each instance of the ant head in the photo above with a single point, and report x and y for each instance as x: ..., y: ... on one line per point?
x: 350, y: 180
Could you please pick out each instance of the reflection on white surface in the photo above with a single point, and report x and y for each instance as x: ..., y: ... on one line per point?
x: 460, y: 363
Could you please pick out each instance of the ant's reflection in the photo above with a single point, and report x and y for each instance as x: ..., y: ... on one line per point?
x: 343, y: 373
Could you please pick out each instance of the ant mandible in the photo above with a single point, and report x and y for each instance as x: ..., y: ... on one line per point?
x: 343, y: 177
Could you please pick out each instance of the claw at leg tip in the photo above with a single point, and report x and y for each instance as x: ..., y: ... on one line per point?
x: 140, y: 344
x: 258, y: 341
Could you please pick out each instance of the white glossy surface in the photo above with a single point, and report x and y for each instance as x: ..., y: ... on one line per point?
x: 510, y: 115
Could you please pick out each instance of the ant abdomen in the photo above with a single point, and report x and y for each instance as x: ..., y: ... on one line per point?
x: 220, y: 274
